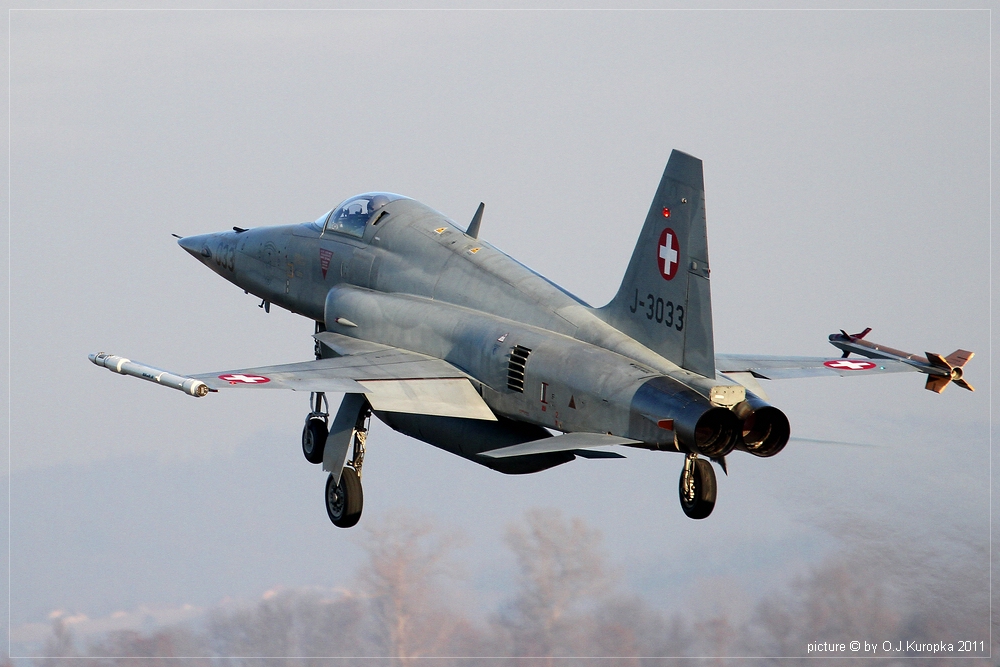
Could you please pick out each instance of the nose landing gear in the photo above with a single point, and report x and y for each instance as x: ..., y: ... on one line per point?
x: 697, y: 487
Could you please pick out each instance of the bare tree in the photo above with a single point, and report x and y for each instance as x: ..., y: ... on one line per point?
x: 627, y: 628
x: 835, y: 603
x: 561, y: 575
x: 129, y: 648
x: 404, y: 578
x: 302, y: 624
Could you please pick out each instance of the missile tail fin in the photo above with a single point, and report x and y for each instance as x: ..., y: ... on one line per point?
x: 959, y: 358
x: 937, y: 383
x: 937, y: 360
x: 953, y: 363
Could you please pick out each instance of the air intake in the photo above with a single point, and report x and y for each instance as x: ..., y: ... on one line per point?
x: 515, y: 368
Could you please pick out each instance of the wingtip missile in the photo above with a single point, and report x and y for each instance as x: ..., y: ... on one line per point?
x: 124, y: 366
x: 940, y: 370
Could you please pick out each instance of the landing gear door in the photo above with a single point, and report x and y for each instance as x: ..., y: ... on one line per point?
x: 338, y: 442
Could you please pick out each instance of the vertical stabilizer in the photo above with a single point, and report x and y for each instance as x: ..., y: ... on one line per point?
x: 664, y: 301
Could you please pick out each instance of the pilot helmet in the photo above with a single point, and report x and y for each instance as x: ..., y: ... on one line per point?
x: 377, y: 202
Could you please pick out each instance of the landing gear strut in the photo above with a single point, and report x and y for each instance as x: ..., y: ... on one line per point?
x: 344, y: 497
x: 697, y: 487
x: 315, y: 431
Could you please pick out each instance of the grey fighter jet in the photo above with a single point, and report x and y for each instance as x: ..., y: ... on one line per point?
x: 448, y: 340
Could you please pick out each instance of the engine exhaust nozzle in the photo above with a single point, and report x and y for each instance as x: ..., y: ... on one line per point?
x: 716, y: 433
x: 765, y: 430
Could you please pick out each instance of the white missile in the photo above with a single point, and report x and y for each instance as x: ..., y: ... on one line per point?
x: 196, y: 388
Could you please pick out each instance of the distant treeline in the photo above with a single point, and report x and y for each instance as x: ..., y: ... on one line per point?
x: 405, y: 606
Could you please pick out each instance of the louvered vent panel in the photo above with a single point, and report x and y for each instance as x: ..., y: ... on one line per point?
x: 515, y: 368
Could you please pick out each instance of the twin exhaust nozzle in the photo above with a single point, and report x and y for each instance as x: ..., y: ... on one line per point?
x: 124, y: 366
x: 752, y: 426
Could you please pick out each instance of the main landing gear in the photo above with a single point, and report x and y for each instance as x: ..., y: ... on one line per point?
x: 344, y: 495
x: 697, y: 487
x: 345, y: 498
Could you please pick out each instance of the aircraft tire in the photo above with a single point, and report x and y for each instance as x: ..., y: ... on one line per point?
x: 314, y: 435
x: 345, y: 500
x: 704, y: 491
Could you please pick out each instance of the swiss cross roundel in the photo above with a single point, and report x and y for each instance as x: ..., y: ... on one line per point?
x: 849, y: 365
x: 240, y: 378
x: 668, y: 254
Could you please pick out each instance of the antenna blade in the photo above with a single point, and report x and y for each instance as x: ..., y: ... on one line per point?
x: 477, y: 219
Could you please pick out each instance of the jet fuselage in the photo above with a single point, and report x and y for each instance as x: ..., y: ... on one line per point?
x: 416, y: 281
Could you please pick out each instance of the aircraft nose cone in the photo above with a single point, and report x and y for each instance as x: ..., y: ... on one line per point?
x: 198, y: 246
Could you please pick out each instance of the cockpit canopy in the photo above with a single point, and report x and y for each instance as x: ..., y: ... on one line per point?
x: 354, y: 214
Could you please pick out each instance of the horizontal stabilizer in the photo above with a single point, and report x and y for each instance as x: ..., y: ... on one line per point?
x: 561, y: 443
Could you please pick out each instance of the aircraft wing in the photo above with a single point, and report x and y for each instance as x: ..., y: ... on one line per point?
x: 780, y: 368
x: 360, y: 363
x: 392, y: 379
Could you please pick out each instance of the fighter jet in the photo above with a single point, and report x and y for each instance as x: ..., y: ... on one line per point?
x: 446, y: 339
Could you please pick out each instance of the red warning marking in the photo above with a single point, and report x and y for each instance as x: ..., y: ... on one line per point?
x: 240, y: 378
x: 668, y: 252
x: 849, y: 365
x: 324, y: 260
x: 666, y: 212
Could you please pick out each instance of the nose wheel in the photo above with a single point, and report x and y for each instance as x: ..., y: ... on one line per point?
x: 697, y: 487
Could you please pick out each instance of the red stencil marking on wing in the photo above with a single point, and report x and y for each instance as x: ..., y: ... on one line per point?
x: 240, y: 378
x: 668, y: 253
x: 849, y: 365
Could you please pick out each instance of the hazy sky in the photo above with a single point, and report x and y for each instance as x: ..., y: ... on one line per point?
x: 847, y: 169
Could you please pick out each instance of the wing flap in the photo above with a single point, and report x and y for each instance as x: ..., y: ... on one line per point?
x: 442, y: 397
